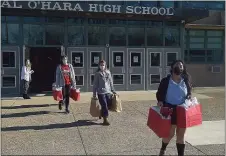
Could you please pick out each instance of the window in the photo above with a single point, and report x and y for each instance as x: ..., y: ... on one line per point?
x: 114, y: 2
x: 8, y: 81
x: 149, y: 3
x: 77, y: 59
x: 10, y: 33
x: 117, y: 36
x: 76, y: 35
x: 33, y: 19
x: 97, y: 35
x: 172, y: 37
x: 8, y: 59
x: 196, y: 33
x: 54, y: 34
x: 12, y: 18
x: 136, y: 36
x: 155, y: 79
x: 167, y: 4
x: 171, y: 56
x: 76, y: 20
x: 215, y: 33
x: 135, y: 79
x: 55, y: 20
x: 197, y: 55
x: 79, y: 80
x: 136, y: 22
x: 216, y: 5
x: 117, y: 21
x: 154, y: 36
x: 135, y: 59
x: 33, y: 34
x: 155, y: 59
x: 133, y: 3
x: 154, y: 23
x: 215, y: 56
x: 118, y: 79
x: 118, y: 59
x: 96, y: 21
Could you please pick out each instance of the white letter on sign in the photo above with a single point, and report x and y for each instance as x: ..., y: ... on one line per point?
x: 154, y: 11
x: 45, y: 4
x: 32, y: 4
x: 162, y: 11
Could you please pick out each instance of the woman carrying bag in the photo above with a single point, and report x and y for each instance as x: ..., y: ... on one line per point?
x: 173, y: 91
x: 103, y: 88
x: 65, y: 78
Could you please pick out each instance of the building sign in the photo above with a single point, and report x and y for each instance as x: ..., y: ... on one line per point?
x: 84, y: 7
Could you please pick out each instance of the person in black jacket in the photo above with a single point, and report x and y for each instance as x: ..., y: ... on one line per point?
x: 174, y: 90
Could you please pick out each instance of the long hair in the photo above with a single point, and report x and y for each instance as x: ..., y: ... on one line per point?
x: 185, y: 73
x: 101, y: 61
x: 61, y: 59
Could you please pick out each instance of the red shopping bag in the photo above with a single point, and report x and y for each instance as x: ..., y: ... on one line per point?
x: 57, y: 94
x: 75, y: 94
x: 157, y: 123
x: 189, y: 116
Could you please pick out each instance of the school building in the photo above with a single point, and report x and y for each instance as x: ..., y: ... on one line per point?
x: 138, y: 39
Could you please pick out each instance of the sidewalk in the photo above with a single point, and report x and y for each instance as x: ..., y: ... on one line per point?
x: 37, y: 127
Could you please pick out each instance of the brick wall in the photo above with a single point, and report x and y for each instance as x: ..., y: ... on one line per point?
x: 203, y: 77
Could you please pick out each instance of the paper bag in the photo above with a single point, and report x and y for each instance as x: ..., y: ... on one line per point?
x: 157, y: 123
x: 95, y: 108
x: 116, y: 104
x: 189, y: 114
x: 75, y: 94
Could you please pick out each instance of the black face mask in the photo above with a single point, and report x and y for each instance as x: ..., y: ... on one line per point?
x: 177, y: 71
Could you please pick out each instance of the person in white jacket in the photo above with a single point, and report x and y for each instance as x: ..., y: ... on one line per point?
x: 26, y: 77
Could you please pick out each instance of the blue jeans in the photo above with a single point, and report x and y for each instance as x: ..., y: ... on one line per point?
x: 105, y: 102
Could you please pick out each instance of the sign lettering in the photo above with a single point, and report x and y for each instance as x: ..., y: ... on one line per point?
x: 82, y: 7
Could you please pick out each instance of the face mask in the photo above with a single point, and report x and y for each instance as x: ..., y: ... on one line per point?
x: 177, y: 71
x: 102, y: 67
x: 64, y: 61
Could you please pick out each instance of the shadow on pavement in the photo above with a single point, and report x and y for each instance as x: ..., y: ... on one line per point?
x: 24, y: 114
x: 27, y: 106
x: 78, y: 123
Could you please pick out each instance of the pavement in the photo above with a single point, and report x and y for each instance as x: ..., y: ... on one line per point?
x: 37, y: 127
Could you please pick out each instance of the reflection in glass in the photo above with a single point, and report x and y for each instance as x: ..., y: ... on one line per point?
x: 77, y: 59
x: 117, y: 36
x: 172, y: 37
x: 133, y: 3
x: 54, y: 34
x: 135, y: 79
x: 79, y: 80
x: 8, y: 81
x: 170, y: 58
x: 149, y: 3
x: 155, y: 79
x: 8, y: 59
x: 136, y: 36
x: 96, y: 21
x: 118, y: 79
x: 55, y: 20
x: 136, y: 22
x: 167, y: 4
x: 76, y: 35
x: 10, y: 33
x: 12, y: 18
x: 96, y: 35
x: 3, y: 33
x: 215, y: 56
x: 114, y: 2
x: 92, y: 79
x: 135, y: 59
x: 117, y: 21
x: 154, y: 37
x: 118, y: 59
x: 33, y: 34
x: 155, y: 59
x: 33, y: 19
x: 75, y: 20
x: 95, y: 58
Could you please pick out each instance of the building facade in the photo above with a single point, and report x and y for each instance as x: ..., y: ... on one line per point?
x: 138, y: 39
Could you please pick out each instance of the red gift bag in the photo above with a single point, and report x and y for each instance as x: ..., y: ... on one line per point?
x: 75, y: 94
x: 57, y: 94
x: 157, y: 123
x: 189, y: 116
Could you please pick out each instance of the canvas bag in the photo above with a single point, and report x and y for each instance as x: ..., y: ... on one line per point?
x: 95, y: 107
x: 116, y: 104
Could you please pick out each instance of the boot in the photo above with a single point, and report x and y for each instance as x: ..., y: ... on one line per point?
x: 60, y: 105
x: 162, y: 152
x: 106, y: 123
x: 28, y: 97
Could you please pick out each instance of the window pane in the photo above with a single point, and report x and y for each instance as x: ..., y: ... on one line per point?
x: 197, y: 55
x: 79, y: 80
x: 167, y: 4
x: 8, y: 59
x: 33, y: 34
x: 215, y: 33
x: 114, y: 2
x: 12, y: 18
x: 77, y: 59
x: 172, y: 37
x: 214, y: 45
x: 118, y: 79
x: 8, y: 81
x: 154, y: 23
x: 136, y: 22
x: 33, y: 19
x: 4, y: 34
x: 148, y: 3
x: 76, y: 20
x: 76, y: 35
x: 54, y: 34
x: 196, y: 45
x: 133, y: 3
x: 55, y: 20
x: 97, y: 35
x: 197, y: 33
x: 154, y: 36
x: 12, y: 30
x: 136, y: 36
x: 216, y: 5
x: 215, y: 40
x: 116, y: 21
x: 172, y: 24
x: 117, y: 36
x: 155, y: 79
x: 96, y: 21
x: 215, y: 55
x: 196, y: 39
x: 135, y: 79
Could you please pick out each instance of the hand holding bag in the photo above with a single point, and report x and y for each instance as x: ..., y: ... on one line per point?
x: 95, y: 107
x: 75, y: 93
x: 57, y: 93
x: 116, y: 104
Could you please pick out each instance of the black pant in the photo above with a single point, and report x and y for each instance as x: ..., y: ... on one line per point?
x: 66, y: 95
x: 25, y: 86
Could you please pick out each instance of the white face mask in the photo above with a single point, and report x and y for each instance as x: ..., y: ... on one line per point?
x: 102, y: 67
x: 64, y: 61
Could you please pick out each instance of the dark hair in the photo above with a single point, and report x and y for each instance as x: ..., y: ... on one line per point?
x: 101, y: 61
x: 25, y: 62
x: 62, y: 57
x: 185, y: 74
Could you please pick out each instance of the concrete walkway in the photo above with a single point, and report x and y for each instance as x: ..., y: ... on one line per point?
x: 37, y: 127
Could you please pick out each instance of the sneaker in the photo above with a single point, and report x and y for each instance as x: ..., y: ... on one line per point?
x: 67, y: 111
x: 162, y: 152
x: 60, y: 105
x: 106, y: 123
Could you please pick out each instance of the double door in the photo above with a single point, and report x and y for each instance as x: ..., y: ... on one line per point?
x: 158, y: 64
x: 85, y: 62
x: 127, y: 66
